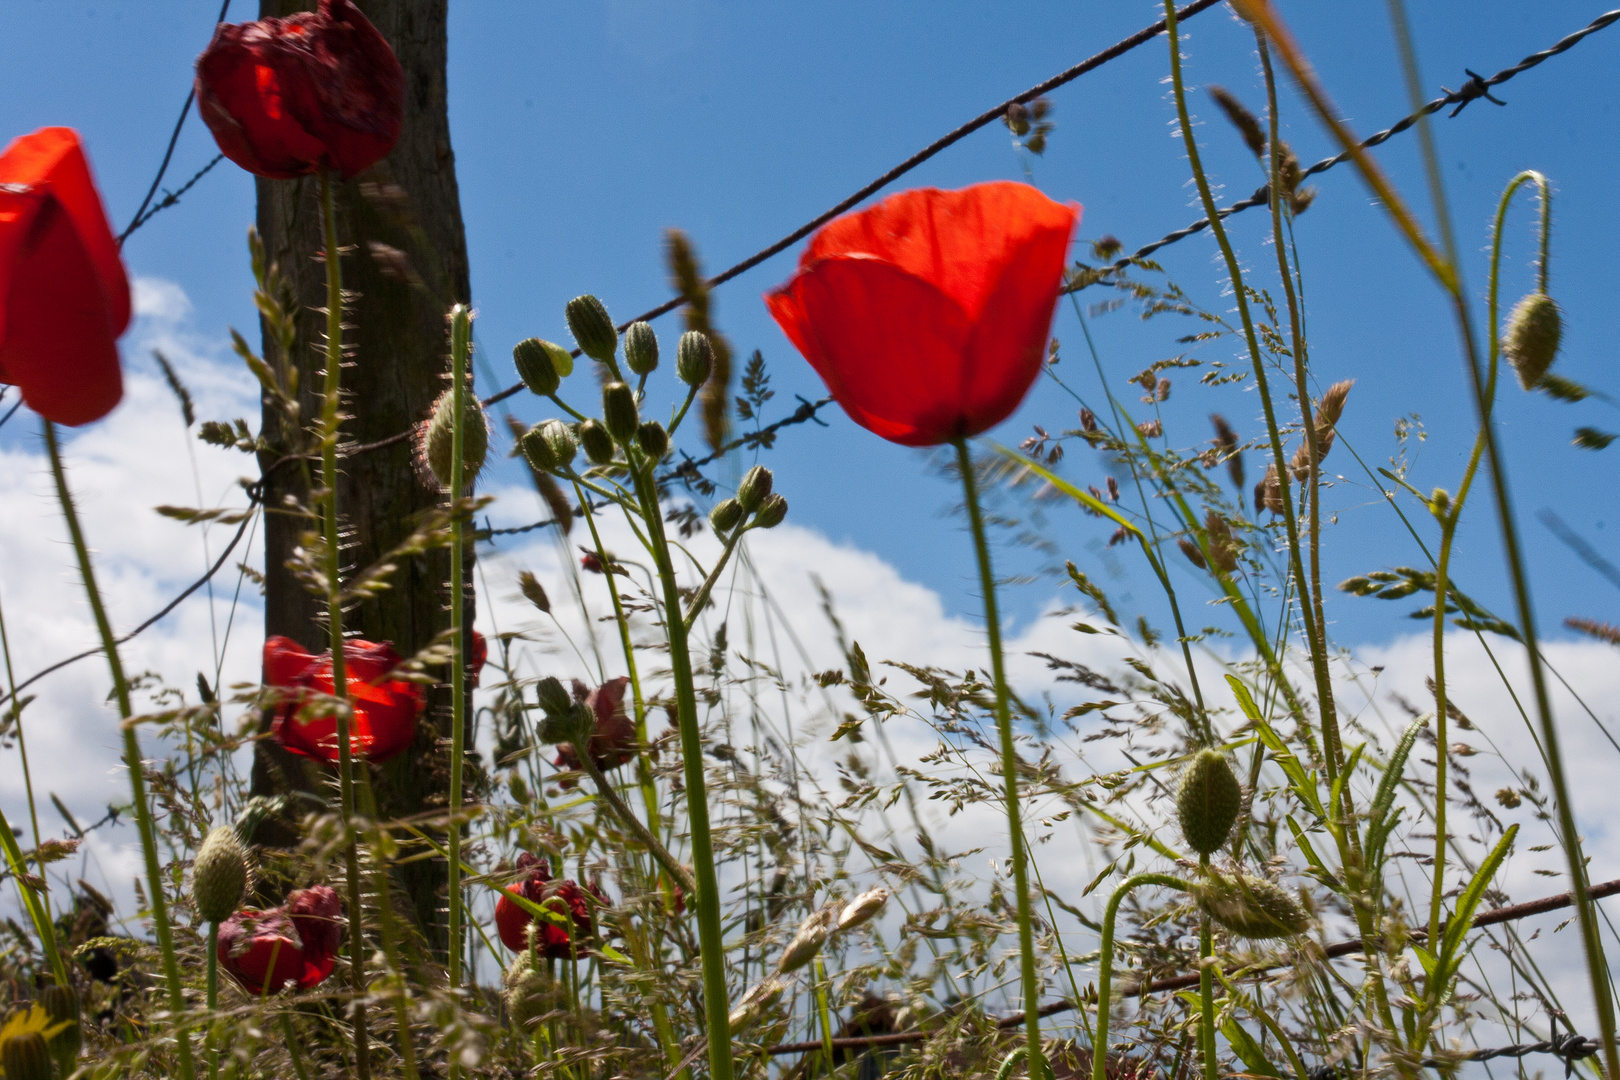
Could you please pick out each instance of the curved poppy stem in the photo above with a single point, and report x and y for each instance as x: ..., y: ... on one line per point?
x: 1009, y: 763
x: 330, y: 419
x: 1105, y: 963
x: 460, y: 332
x: 132, y: 760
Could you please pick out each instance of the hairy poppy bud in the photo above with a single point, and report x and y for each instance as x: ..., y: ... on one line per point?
x: 541, y: 365
x: 598, y: 444
x: 436, y: 446
x: 549, y: 446
x: 1208, y: 801
x: 653, y: 440
x: 554, y: 698
x: 589, y: 322
x: 694, y: 358
x: 771, y: 512
x: 754, y: 487
x: 863, y: 909
x: 530, y: 992
x: 24, y: 1057
x: 1250, y: 906
x: 726, y: 515
x: 315, y: 90
x: 1531, y: 339
x: 219, y: 877
x: 61, y: 1004
x: 807, y: 941
x: 641, y: 348
x: 619, y: 414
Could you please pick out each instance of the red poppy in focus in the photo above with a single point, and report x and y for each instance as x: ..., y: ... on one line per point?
x: 294, y: 943
x: 315, y: 90
x: 927, y: 315
x: 385, y: 710
x: 552, y: 940
x: 64, y: 298
x: 613, y: 742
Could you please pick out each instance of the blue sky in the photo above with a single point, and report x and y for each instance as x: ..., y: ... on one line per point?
x: 583, y: 129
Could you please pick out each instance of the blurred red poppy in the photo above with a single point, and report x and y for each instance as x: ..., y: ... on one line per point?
x: 385, y: 710
x: 927, y: 315
x: 315, y: 90
x: 477, y: 656
x: 294, y: 943
x: 613, y: 742
x: 64, y: 298
x: 553, y: 940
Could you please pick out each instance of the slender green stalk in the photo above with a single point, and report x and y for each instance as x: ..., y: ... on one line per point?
x: 1105, y: 963
x: 132, y: 761
x: 1206, y: 991
x: 1009, y: 763
x: 213, y: 997
x: 460, y: 332
x: 47, y: 939
x: 299, y: 1068
x: 330, y: 420
x: 824, y: 1015
x: 400, y: 990
x: 38, y: 914
x: 710, y: 938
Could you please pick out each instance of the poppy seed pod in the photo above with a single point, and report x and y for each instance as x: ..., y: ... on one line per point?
x: 589, y: 322
x: 694, y: 358
x: 1208, y: 801
x: 1250, y: 906
x: 24, y: 1056
x: 549, y: 446
x: 539, y: 365
x: 315, y: 90
x: 771, y: 512
x: 219, y: 876
x: 641, y: 348
x: 1531, y: 339
x: 755, y: 486
x: 437, y: 439
x: 61, y: 1004
x: 619, y: 413
x: 653, y: 440
x: 726, y: 515
x: 597, y: 442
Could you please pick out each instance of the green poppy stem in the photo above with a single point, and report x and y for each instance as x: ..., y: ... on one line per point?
x: 460, y: 333
x: 1009, y: 764
x: 1105, y: 963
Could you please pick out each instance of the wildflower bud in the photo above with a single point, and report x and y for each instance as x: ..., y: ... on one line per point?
x: 541, y: 365
x: 771, y: 512
x: 61, y: 1004
x: 219, y: 877
x: 597, y: 442
x: 436, y: 443
x: 1250, y: 906
x: 754, y: 487
x: 530, y: 993
x: 1440, y: 502
x: 589, y: 322
x: 23, y: 1056
x: 694, y: 358
x: 1017, y: 118
x: 807, y: 941
x: 751, y: 1009
x: 863, y: 909
x: 726, y: 515
x: 554, y: 698
x: 572, y: 725
x: 641, y: 348
x: 653, y: 440
x: 549, y: 446
x: 1208, y: 801
x: 619, y: 414
x: 1531, y: 339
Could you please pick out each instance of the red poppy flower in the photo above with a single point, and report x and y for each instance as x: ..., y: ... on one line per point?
x: 927, y: 315
x: 613, y: 742
x: 552, y: 940
x: 315, y: 90
x: 385, y: 710
x: 294, y: 943
x: 477, y: 656
x: 64, y: 298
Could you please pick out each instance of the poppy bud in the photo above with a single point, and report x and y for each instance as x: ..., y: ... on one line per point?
x: 549, y: 446
x: 771, y: 512
x: 597, y: 442
x: 23, y: 1056
x: 1208, y: 801
x: 1250, y: 906
x: 61, y: 1004
x: 653, y: 440
x: 541, y: 365
x: 754, y: 487
x: 807, y: 941
x: 619, y: 414
x: 726, y: 515
x: 694, y: 358
x: 1531, y: 339
x: 863, y: 909
x: 589, y: 322
x: 530, y: 993
x: 554, y: 698
x: 436, y: 447
x: 641, y: 348
x: 219, y: 877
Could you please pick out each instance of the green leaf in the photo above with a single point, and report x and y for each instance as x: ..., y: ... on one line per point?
x: 1244, y: 1046
x: 1462, y: 919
